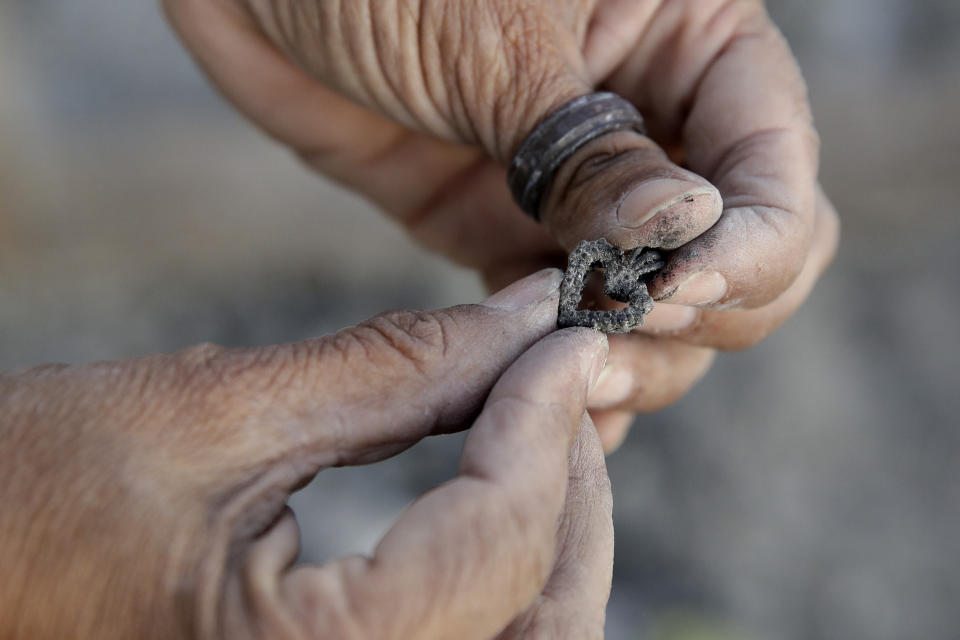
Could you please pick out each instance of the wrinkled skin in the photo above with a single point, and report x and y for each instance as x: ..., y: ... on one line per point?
x: 419, y: 104
x: 145, y: 499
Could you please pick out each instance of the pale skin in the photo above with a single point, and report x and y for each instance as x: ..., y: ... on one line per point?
x: 146, y: 499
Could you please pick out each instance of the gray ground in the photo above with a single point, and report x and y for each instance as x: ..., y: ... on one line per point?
x: 807, y: 489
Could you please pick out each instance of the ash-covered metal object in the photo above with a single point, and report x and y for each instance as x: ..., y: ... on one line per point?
x: 626, y: 276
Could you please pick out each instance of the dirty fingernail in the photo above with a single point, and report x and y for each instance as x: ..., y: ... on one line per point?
x: 656, y: 196
x: 702, y: 288
x: 614, y: 386
x: 528, y: 291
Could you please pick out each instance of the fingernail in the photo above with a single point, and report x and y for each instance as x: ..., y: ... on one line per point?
x: 654, y: 197
x: 527, y: 292
x: 613, y: 387
x: 702, y: 288
x: 669, y: 317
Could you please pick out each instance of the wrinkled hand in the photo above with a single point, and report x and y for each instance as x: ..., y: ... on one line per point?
x: 146, y: 499
x: 418, y: 105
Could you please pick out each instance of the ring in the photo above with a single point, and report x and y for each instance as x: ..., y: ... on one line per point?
x: 559, y: 136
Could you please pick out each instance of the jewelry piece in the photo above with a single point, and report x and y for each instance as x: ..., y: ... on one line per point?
x: 559, y: 136
x: 626, y: 275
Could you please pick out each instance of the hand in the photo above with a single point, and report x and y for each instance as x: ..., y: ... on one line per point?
x: 418, y: 105
x: 146, y: 499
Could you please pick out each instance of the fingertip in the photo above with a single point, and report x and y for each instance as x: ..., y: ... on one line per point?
x: 667, y: 212
x: 700, y: 289
x: 529, y: 305
x: 614, y: 386
x: 612, y: 428
x: 527, y: 292
x: 623, y: 187
x: 561, y: 368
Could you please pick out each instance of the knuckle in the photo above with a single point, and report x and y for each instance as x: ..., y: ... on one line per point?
x: 417, y: 337
x: 235, y: 373
x: 200, y: 355
x: 762, y: 250
x: 201, y: 365
x: 536, y: 68
x: 522, y: 32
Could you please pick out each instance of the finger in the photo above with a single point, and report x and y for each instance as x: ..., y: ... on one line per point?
x: 612, y: 426
x: 646, y: 373
x: 750, y: 132
x: 468, y: 557
x: 354, y: 397
x: 734, y: 330
x: 573, y: 602
x: 624, y: 188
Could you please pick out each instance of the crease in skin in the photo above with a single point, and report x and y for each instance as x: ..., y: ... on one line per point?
x: 267, y: 496
x: 401, y: 83
x: 373, y: 73
x: 731, y: 158
x: 268, y: 558
x: 429, y: 44
x: 241, y: 515
x: 243, y: 511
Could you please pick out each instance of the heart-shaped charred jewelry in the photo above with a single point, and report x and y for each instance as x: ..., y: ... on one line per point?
x: 626, y: 276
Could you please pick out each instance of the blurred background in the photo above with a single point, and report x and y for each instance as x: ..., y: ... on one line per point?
x: 807, y: 489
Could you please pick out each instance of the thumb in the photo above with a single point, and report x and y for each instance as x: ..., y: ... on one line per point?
x: 624, y: 188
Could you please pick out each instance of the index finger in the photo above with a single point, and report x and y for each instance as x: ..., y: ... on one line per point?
x: 749, y: 131
x: 468, y: 557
